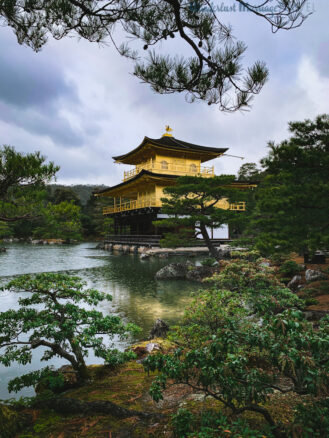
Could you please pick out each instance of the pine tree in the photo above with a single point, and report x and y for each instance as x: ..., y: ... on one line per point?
x: 211, y: 70
x: 292, y: 211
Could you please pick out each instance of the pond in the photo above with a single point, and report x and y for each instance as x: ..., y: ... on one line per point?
x: 137, y: 297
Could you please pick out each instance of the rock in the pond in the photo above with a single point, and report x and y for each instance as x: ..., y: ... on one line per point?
x: 100, y: 245
x: 295, y: 282
x: 125, y: 249
x: 314, y: 275
x: 144, y: 256
x: 172, y: 271
x: 3, y: 249
x: 159, y: 330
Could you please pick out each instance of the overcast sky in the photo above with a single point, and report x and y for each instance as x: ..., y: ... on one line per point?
x: 78, y: 103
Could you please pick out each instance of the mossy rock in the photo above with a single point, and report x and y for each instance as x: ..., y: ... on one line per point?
x: 164, y: 345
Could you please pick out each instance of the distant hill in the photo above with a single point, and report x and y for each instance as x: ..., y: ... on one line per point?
x: 83, y: 191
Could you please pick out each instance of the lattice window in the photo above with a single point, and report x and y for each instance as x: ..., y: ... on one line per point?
x: 164, y: 165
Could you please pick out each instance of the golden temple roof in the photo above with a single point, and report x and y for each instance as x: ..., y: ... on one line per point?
x: 168, y: 144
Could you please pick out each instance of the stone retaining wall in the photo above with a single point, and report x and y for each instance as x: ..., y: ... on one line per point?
x: 158, y: 252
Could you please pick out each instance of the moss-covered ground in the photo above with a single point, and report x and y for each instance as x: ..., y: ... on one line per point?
x: 128, y: 386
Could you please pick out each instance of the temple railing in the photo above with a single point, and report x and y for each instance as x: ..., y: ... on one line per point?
x: 239, y: 206
x: 132, y: 205
x: 154, y: 202
x: 172, y: 169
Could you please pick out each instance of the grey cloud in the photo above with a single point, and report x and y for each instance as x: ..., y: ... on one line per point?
x: 115, y: 111
x: 33, y: 90
x: 57, y: 128
x: 29, y: 79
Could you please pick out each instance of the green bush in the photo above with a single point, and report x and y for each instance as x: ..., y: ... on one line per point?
x: 242, y: 276
x: 182, y: 423
x: 290, y: 268
x: 239, y: 361
x: 210, y: 424
x: 235, y: 345
x: 312, y: 420
x: 257, y: 286
x: 209, y: 261
x: 250, y: 256
x: 278, y: 259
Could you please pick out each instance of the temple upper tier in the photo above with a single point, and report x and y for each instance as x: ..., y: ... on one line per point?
x: 168, y: 155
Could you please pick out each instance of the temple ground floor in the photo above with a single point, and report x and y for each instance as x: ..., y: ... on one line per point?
x: 137, y: 228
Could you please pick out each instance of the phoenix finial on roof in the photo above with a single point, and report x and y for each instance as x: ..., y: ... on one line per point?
x: 168, y: 131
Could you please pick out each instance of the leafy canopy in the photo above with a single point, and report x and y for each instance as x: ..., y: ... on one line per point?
x: 211, y: 70
x: 292, y: 210
x: 22, y: 182
x: 58, y: 313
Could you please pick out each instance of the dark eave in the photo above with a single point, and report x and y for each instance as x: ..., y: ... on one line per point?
x: 170, y: 143
x: 135, y: 178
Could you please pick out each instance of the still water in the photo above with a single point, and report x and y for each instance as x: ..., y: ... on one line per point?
x: 137, y: 297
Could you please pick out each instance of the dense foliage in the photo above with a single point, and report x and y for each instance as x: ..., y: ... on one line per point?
x: 292, y: 211
x: 250, y: 172
x: 57, y: 314
x: 22, y: 182
x: 210, y: 424
x: 244, y: 339
x: 60, y: 221
x: 64, y: 212
x: 213, y: 73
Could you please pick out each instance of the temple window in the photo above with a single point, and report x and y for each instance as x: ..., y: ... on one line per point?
x: 193, y: 168
x: 164, y: 165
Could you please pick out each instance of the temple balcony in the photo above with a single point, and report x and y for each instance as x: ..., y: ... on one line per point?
x: 134, y: 204
x: 154, y: 202
x: 165, y: 167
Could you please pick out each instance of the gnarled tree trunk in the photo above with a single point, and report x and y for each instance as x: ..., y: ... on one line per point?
x: 208, y: 242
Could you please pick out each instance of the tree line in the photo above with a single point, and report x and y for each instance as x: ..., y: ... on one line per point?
x: 31, y: 207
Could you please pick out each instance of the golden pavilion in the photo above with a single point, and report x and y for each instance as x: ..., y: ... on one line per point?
x: 136, y: 201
